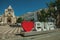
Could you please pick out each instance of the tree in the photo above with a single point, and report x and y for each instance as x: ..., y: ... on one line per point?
x: 56, y: 13
x: 51, y: 8
x: 57, y: 2
x: 38, y: 16
x: 32, y: 19
x: 43, y: 16
x: 19, y: 20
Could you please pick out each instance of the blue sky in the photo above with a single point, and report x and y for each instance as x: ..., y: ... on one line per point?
x: 21, y: 7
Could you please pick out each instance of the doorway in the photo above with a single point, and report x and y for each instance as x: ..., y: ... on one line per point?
x: 9, y: 20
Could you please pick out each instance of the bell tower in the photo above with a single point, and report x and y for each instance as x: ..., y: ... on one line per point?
x: 10, y: 11
x: 9, y: 16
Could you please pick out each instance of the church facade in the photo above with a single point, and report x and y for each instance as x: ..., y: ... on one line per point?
x: 8, y: 16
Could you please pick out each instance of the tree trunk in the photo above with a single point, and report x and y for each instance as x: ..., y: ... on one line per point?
x: 58, y: 21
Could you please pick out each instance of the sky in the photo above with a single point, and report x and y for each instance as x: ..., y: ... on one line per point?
x: 21, y: 7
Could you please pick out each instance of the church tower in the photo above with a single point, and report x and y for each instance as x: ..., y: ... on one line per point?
x: 8, y: 16
x: 10, y: 11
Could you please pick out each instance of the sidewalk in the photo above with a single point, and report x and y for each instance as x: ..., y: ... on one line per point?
x: 34, y: 33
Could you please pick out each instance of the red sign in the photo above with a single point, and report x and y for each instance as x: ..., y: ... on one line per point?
x: 27, y: 25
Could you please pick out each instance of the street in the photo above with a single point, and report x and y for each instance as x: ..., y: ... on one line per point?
x: 9, y: 33
x: 49, y: 36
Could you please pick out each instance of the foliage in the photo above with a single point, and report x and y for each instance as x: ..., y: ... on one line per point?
x: 19, y: 20
x: 43, y: 16
x: 32, y: 19
x: 51, y: 9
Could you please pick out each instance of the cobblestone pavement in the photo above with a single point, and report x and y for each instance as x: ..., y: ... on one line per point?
x: 9, y: 33
x: 9, y: 30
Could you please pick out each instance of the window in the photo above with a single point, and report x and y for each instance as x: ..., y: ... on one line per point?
x: 9, y: 10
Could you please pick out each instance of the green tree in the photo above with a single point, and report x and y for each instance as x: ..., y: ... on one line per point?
x: 32, y: 19
x: 51, y: 9
x: 19, y: 20
x: 43, y: 16
x: 56, y: 13
x: 38, y: 16
x: 57, y: 4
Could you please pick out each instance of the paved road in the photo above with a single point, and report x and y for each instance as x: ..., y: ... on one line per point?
x: 9, y: 30
x: 49, y: 36
x: 8, y: 33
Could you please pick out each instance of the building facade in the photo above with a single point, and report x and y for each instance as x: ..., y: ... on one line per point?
x: 8, y: 16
